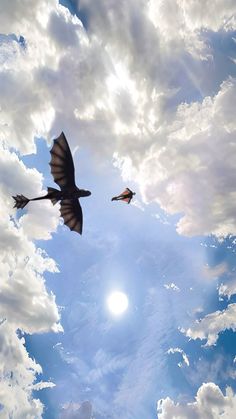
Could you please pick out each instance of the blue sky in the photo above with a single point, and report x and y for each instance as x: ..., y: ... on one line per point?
x: 138, y: 255
x: 145, y: 94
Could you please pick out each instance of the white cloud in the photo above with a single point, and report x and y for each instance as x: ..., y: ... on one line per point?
x: 42, y: 384
x: 210, y: 403
x: 122, y: 91
x: 25, y: 302
x: 16, y: 178
x: 17, y: 16
x: 178, y: 350
x: 185, y: 173
x: 228, y: 289
x: 219, y: 15
x: 212, y: 324
x: 76, y: 411
x: 18, y: 372
x: 177, y: 23
x: 172, y: 286
x: 186, y: 17
x: 37, y: 227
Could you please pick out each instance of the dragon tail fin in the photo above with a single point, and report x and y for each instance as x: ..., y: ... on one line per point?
x: 20, y: 201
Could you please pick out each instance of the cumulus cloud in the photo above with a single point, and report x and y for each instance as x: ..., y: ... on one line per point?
x: 212, y: 324
x: 186, y: 17
x: 218, y: 16
x: 210, y: 403
x: 24, y: 298
x: 37, y: 227
x: 178, y: 24
x: 122, y: 86
x: 25, y: 303
x: 18, y: 373
x: 193, y: 172
x: 16, y: 178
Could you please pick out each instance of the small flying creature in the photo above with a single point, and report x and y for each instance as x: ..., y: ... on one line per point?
x: 63, y: 172
x: 125, y: 196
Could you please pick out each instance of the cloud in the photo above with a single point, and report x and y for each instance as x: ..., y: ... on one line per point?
x: 212, y: 324
x: 210, y: 403
x: 173, y: 173
x: 76, y: 411
x: 18, y: 372
x: 215, y: 271
x: 178, y: 350
x: 42, y: 384
x: 177, y: 24
x: 218, y: 16
x: 123, y: 87
x: 172, y: 286
x: 218, y: 368
x: 25, y: 303
x: 16, y: 17
x: 37, y: 227
x: 16, y: 178
x: 228, y: 289
x: 186, y: 17
x: 105, y: 364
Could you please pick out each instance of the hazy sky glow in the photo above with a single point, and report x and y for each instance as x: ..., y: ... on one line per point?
x: 145, y: 93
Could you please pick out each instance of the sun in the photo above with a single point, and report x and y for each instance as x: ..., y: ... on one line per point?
x: 117, y: 302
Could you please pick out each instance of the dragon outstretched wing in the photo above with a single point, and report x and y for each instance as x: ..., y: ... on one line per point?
x: 127, y: 200
x: 72, y: 215
x: 125, y: 192
x: 62, y: 166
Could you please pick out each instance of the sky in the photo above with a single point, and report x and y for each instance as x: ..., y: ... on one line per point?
x: 145, y: 93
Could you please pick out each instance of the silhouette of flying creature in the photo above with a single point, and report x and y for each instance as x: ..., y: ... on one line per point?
x: 125, y: 196
x: 63, y: 172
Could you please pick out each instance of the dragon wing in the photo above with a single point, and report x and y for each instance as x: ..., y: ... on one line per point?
x: 62, y: 166
x: 126, y: 200
x: 72, y: 215
x: 126, y: 192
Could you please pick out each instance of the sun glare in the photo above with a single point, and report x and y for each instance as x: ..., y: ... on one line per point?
x: 117, y: 302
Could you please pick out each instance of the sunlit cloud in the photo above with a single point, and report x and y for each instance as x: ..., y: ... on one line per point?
x: 212, y: 324
x: 209, y: 400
